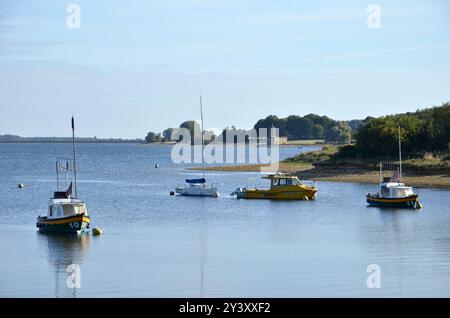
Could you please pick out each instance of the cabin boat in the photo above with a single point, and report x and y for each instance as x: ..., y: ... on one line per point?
x: 392, y: 191
x: 197, y: 187
x: 282, y: 187
x: 66, y: 212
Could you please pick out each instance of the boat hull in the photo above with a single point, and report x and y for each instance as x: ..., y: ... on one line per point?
x: 72, y: 224
x: 409, y: 202
x: 285, y: 193
x: 197, y: 192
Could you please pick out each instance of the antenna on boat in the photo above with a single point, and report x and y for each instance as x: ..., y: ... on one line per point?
x: 57, y: 174
x: 201, y: 116
x: 400, y: 153
x: 74, y: 156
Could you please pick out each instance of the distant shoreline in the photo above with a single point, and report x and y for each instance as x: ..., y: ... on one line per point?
x: 66, y: 142
x: 341, y: 174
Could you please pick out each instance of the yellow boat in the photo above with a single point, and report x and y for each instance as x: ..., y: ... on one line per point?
x: 282, y: 187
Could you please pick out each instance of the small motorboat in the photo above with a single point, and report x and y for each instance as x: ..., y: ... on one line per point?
x: 197, y: 187
x: 282, y: 187
x: 394, y: 194
x: 392, y: 191
x: 66, y: 213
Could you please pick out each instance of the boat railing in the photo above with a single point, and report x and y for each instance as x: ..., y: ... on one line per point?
x: 185, y: 185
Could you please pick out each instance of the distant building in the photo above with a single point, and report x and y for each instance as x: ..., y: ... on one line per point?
x: 274, y: 140
x: 279, y: 140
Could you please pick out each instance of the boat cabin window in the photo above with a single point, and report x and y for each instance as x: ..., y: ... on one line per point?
x: 402, y: 192
x: 278, y: 182
x: 284, y: 182
x: 384, y: 191
x: 55, y: 211
x: 70, y: 209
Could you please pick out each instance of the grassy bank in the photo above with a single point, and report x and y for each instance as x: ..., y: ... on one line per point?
x: 430, y: 171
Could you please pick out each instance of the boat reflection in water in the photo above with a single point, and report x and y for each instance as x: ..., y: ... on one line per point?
x: 66, y: 254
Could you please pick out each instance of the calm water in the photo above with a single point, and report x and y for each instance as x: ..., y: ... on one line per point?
x: 156, y: 245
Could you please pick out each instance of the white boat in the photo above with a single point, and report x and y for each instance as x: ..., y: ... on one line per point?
x: 66, y: 212
x: 198, y: 187
x: 392, y: 191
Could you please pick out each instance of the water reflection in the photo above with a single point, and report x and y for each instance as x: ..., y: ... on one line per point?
x: 394, y: 243
x: 66, y: 253
x: 203, y: 245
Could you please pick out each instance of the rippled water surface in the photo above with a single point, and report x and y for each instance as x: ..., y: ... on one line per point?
x: 156, y: 245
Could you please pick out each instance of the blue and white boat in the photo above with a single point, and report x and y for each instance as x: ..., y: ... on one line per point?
x: 198, y: 187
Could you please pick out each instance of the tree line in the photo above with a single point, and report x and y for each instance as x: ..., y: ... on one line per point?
x: 423, y: 131
x: 293, y: 127
x: 426, y: 130
x: 310, y: 127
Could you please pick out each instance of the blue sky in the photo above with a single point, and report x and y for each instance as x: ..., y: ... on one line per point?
x: 135, y: 66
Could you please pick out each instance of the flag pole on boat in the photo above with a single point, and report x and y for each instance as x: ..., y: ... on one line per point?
x: 201, y: 117
x: 74, y: 156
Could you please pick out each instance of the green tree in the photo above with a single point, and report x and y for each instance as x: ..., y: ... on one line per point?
x: 194, y: 129
x: 310, y: 126
x: 426, y: 130
x: 167, y: 134
x: 152, y: 137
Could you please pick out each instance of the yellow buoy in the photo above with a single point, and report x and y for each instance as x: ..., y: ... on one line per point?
x: 97, y: 231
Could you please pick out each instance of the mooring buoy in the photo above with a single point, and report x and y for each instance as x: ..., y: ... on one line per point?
x: 21, y: 186
x: 172, y: 193
x: 97, y: 231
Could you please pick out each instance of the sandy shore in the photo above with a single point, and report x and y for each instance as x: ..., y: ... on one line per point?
x: 308, y: 172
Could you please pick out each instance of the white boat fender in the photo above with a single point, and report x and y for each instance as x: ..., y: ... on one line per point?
x: 235, y: 192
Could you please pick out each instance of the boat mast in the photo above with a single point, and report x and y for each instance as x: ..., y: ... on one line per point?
x: 201, y: 116
x: 381, y: 171
x: 57, y: 174
x: 400, y: 152
x: 74, y: 157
